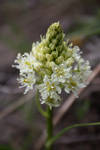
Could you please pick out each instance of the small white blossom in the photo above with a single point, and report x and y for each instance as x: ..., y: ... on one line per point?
x: 74, y: 84
x: 26, y: 63
x: 80, y: 74
x: 49, y: 90
x: 27, y: 81
x: 61, y: 73
x: 76, y: 53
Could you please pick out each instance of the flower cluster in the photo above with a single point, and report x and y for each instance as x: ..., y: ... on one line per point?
x: 53, y: 65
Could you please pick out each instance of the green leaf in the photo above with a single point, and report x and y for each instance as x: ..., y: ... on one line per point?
x: 53, y: 139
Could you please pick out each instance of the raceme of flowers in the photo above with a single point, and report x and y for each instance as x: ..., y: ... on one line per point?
x: 53, y: 65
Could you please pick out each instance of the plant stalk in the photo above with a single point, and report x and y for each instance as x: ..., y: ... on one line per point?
x: 43, y: 113
x: 49, y: 128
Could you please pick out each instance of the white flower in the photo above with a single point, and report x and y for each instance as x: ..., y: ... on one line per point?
x: 26, y: 63
x: 76, y: 53
x: 61, y: 73
x: 49, y: 90
x: 81, y: 71
x: 53, y: 65
x: 27, y: 81
x: 74, y: 84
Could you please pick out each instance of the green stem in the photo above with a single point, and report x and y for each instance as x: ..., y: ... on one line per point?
x: 53, y: 139
x: 39, y: 105
x: 49, y: 128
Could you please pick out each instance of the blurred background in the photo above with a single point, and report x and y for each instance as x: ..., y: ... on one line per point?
x: 21, y: 23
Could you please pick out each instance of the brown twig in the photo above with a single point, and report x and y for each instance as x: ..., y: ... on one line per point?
x: 65, y: 107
